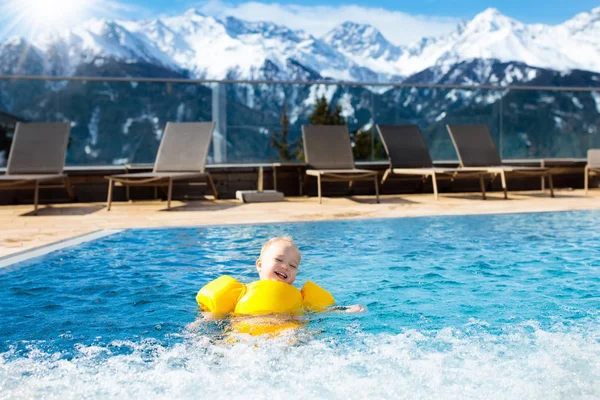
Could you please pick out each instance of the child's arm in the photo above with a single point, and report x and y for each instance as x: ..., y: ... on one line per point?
x: 356, y: 308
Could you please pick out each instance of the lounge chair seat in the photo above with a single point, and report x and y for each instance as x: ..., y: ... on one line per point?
x: 31, y: 177
x: 143, y: 176
x: 508, y: 168
x: 341, y: 172
x: 37, y: 157
x: 329, y: 157
x: 408, y: 155
x: 181, y: 156
x: 476, y: 149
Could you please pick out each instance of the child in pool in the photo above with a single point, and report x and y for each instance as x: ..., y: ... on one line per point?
x: 279, y: 260
x: 278, y: 263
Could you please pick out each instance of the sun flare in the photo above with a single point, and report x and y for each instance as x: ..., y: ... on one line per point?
x: 32, y: 17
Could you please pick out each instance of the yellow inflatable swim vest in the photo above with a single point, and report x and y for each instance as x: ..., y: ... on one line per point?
x: 226, y: 295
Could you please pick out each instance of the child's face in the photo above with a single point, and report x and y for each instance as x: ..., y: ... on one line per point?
x: 279, y: 263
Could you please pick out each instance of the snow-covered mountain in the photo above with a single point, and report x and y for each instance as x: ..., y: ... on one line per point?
x: 202, y: 45
x: 575, y: 44
x: 206, y: 47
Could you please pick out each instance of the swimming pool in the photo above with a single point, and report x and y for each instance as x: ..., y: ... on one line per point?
x: 490, y: 306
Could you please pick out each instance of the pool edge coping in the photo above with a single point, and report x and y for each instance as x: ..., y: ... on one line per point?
x: 28, y: 254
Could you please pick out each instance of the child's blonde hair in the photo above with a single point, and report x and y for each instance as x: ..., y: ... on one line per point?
x: 284, y: 238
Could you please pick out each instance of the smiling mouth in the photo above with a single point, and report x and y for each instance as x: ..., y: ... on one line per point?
x: 281, y: 275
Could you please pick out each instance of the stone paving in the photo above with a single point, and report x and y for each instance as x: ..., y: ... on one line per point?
x: 21, y: 230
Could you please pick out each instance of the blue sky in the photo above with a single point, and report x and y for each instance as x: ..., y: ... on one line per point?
x: 401, y: 21
x: 528, y: 11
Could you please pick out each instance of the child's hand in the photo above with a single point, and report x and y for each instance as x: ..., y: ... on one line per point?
x: 355, y: 308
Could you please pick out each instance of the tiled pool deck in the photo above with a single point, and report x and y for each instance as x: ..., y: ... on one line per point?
x: 20, y: 230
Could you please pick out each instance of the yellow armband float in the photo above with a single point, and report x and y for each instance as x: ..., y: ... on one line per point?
x: 315, y: 298
x: 227, y: 295
x: 221, y: 295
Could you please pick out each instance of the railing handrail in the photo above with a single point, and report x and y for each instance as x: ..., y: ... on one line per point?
x: 120, y: 167
x: 288, y: 83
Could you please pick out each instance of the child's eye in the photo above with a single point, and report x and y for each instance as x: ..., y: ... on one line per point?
x: 278, y: 259
x: 294, y: 266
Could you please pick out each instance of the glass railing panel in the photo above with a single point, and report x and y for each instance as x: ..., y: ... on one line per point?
x: 593, y: 126
x: 113, y: 123
x: 25, y: 100
x: 254, y: 114
x: 121, y: 122
x: 549, y: 123
x: 358, y: 104
x: 433, y: 108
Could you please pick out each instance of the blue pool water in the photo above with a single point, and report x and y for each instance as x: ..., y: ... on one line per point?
x: 492, y: 306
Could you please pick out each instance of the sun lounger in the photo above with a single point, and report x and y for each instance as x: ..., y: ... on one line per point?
x: 592, y: 167
x: 181, y: 157
x: 328, y: 154
x: 476, y: 150
x: 409, y: 155
x: 37, y: 158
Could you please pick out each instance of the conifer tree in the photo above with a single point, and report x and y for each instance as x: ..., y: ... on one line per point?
x: 336, y: 117
x: 285, y: 151
x: 363, y: 141
x: 323, y: 115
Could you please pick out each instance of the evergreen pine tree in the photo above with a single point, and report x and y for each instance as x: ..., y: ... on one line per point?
x: 323, y: 115
x: 285, y: 151
x: 363, y: 139
x: 336, y: 117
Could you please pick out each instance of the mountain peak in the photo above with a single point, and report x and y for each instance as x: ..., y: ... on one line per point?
x: 193, y: 12
x: 360, y: 40
x: 490, y: 13
x: 589, y: 20
x: 491, y: 20
x: 355, y: 30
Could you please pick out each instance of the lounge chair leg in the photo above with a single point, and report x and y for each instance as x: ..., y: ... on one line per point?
x: 169, y: 193
x: 36, y: 197
x: 385, y: 175
x: 503, y: 178
x: 128, y: 198
x: 319, y: 187
x: 376, y: 188
x: 550, y: 184
x: 69, y: 189
x: 300, y: 182
x: 109, y: 198
x: 212, y: 187
x: 482, y: 185
x: 586, y: 180
x: 435, y: 188
x: 304, y: 183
